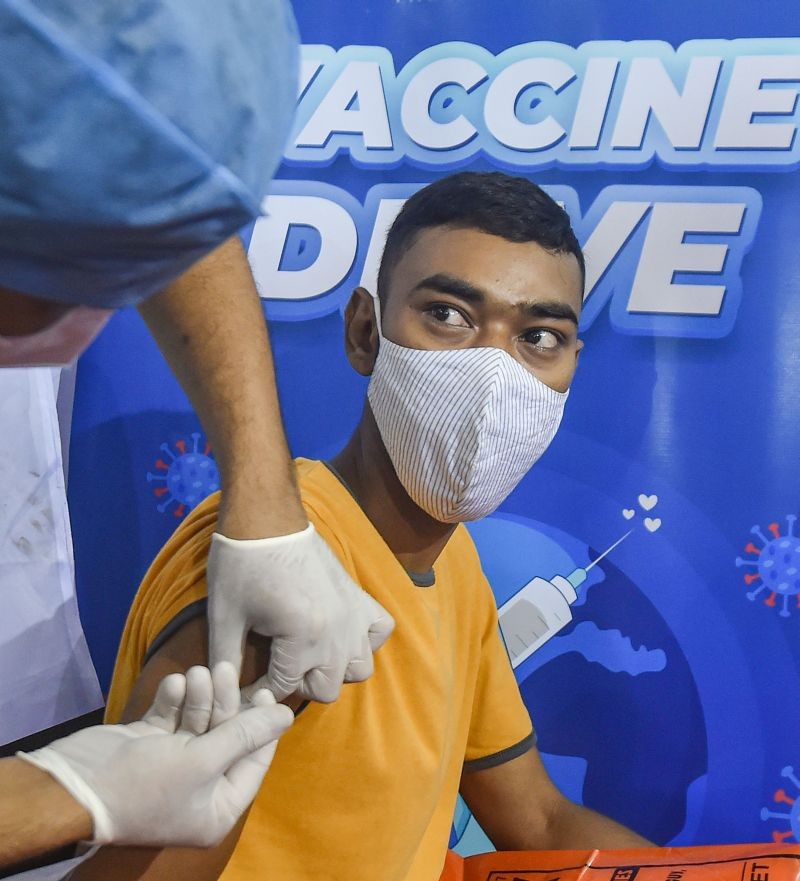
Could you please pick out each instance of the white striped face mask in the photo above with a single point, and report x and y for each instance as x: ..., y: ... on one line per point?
x: 461, y: 426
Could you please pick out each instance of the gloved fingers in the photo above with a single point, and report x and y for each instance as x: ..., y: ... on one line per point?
x: 227, y: 620
x: 323, y: 683
x: 362, y: 666
x: 199, y: 701
x: 246, y: 733
x: 227, y: 632
x: 381, y: 623
x: 165, y: 712
x: 227, y: 697
x: 261, y: 684
x: 288, y: 663
x: 246, y: 775
x: 263, y: 697
x: 359, y: 670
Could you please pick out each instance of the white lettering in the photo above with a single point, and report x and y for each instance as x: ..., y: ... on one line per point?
x: 354, y: 104
x: 415, y: 107
x: 590, y: 114
x: 607, y: 239
x: 746, y: 99
x: 651, y: 91
x: 665, y: 253
x: 337, y: 252
x: 500, y: 109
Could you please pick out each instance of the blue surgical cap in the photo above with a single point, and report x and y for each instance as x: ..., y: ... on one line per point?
x: 135, y: 137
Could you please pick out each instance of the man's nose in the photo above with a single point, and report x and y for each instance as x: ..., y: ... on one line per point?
x: 497, y: 335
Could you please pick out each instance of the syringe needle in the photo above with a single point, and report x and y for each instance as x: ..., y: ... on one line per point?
x: 608, y: 550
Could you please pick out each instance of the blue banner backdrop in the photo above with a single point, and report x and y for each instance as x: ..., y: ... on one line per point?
x: 670, y: 134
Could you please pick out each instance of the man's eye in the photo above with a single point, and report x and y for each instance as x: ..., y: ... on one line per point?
x: 447, y: 315
x: 543, y: 339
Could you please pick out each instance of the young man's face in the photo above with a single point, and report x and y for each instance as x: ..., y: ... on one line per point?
x: 463, y: 288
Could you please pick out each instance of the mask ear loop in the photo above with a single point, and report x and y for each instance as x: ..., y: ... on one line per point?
x: 376, y: 306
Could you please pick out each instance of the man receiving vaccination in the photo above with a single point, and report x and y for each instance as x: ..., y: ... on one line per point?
x: 471, y: 347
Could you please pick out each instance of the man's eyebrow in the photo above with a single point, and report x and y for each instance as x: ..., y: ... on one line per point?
x: 458, y: 287
x: 450, y: 284
x: 549, y: 309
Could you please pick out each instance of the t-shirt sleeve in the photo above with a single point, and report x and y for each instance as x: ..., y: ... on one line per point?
x: 500, y: 727
x: 175, y: 580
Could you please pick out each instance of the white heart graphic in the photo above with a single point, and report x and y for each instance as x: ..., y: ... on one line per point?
x: 627, y: 513
x: 651, y: 524
x: 648, y: 502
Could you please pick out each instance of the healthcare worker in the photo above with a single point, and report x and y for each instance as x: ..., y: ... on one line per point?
x: 137, y: 139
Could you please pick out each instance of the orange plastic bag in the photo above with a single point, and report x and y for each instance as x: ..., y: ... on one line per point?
x: 729, y: 862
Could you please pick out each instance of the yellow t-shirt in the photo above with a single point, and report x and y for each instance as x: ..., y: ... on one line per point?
x: 363, y: 788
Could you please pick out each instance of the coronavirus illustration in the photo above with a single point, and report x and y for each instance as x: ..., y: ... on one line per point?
x: 188, y: 477
x: 777, y: 565
x: 791, y: 814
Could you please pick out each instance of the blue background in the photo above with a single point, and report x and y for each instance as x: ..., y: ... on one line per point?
x: 690, y: 752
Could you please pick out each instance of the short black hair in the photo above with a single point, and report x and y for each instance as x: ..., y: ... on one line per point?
x: 513, y: 208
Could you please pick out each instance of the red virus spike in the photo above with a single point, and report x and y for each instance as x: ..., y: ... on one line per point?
x: 752, y: 549
x: 207, y: 449
x: 160, y: 463
x: 781, y: 837
x: 782, y: 798
x: 753, y: 576
x: 770, y: 600
x: 179, y: 511
x: 159, y: 491
x: 774, y: 529
x: 181, y: 445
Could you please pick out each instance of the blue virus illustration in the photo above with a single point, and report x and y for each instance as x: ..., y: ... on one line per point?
x: 792, y: 814
x: 188, y: 477
x: 777, y: 564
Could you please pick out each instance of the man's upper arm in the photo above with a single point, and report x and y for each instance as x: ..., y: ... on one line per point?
x: 184, y: 648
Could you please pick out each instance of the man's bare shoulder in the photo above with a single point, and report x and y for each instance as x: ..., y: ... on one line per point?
x: 185, y: 648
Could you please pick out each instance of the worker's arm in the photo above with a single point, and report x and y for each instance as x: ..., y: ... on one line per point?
x: 37, y: 814
x: 187, y: 647
x: 181, y: 774
x: 519, y: 808
x: 267, y: 568
x: 210, y: 326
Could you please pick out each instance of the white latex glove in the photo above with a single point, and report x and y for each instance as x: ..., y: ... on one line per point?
x: 182, y: 775
x: 324, y: 627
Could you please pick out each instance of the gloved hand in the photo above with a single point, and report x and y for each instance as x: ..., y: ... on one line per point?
x: 324, y: 627
x: 182, y: 775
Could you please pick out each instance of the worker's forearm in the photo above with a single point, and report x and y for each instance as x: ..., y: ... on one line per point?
x: 574, y: 827
x: 210, y: 326
x: 37, y: 814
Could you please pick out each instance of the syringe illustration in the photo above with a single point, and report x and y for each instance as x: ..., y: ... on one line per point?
x: 541, y: 608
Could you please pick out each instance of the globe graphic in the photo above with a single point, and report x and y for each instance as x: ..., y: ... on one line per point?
x: 612, y: 698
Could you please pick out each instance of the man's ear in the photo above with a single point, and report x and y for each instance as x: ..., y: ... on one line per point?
x: 361, y: 332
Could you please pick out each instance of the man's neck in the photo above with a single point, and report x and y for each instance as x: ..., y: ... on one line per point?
x: 413, y: 536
